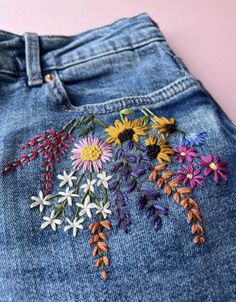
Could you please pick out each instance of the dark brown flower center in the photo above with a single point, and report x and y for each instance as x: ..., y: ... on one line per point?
x: 126, y: 135
x: 171, y: 128
x: 153, y: 150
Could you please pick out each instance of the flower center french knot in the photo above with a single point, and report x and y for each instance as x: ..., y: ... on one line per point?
x: 171, y: 128
x: 183, y: 153
x: 126, y: 135
x: 213, y: 166
x: 92, y: 153
x: 190, y: 176
x: 153, y: 150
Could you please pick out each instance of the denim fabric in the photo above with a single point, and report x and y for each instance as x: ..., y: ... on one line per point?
x: 127, y: 64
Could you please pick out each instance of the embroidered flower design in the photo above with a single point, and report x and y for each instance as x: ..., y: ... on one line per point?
x: 158, y: 149
x: 74, y: 225
x: 90, y: 153
x: 40, y: 201
x: 103, y: 179
x: 91, y: 192
x: 102, y: 208
x: 89, y: 186
x: 67, y: 178
x: 125, y: 131
x: 67, y: 196
x: 86, y: 207
x: 214, y: 165
x: 194, y: 139
x: 189, y: 175
x: 184, y: 153
x: 164, y: 125
x: 52, y: 221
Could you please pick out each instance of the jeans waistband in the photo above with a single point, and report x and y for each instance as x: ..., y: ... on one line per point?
x: 35, y: 55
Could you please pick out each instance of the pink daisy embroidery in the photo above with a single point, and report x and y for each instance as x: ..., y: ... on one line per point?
x: 183, y: 152
x: 90, y: 153
x: 214, y: 165
x: 190, y: 176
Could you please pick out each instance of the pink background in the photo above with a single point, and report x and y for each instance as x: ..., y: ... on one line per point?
x: 202, y: 32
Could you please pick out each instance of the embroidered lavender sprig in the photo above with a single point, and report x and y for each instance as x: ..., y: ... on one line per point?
x: 146, y: 202
x: 131, y: 163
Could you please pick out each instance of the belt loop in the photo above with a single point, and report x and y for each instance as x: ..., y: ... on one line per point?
x: 32, y: 55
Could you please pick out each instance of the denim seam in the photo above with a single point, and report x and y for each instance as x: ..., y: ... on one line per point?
x: 127, y: 102
x: 57, y: 98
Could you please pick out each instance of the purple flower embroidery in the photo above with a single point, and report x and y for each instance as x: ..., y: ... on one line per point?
x: 213, y: 164
x: 183, y: 152
x: 194, y: 139
x: 190, y: 176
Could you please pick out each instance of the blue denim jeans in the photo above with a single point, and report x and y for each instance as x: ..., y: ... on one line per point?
x: 118, y: 171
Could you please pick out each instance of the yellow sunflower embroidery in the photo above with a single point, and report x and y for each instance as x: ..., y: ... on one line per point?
x: 164, y: 125
x: 126, y: 130
x: 158, y: 149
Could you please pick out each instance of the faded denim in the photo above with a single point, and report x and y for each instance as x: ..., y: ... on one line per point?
x: 127, y: 64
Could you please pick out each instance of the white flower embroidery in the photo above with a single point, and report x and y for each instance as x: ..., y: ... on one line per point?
x: 67, y: 178
x: 86, y: 207
x: 75, y: 224
x: 67, y: 195
x: 40, y: 201
x: 89, y: 185
x: 51, y: 221
x: 103, y: 179
x: 103, y: 209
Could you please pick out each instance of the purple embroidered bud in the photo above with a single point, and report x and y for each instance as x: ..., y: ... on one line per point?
x: 122, y: 219
x: 151, y: 194
x: 162, y: 210
x: 157, y: 223
x: 138, y: 172
x: 131, y: 185
x: 140, y: 147
x: 130, y: 145
x: 118, y: 154
x: 116, y: 167
x: 150, y: 211
x: 113, y: 185
x: 131, y: 158
x: 121, y: 199
x: 141, y: 202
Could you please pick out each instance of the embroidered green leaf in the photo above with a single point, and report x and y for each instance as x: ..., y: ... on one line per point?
x: 86, y: 120
x: 99, y: 122
x: 86, y: 131
x: 126, y: 111
x: 144, y: 120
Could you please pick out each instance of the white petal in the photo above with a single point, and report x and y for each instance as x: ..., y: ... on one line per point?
x: 41, y: 208
x: 40, y: 194
x: 66, y: 228
x: 57, y: 221
x: 53, y: 226
x: 74, y: 232
x: 44, y: 224
x: 35, y: 198
x: 34, y: 204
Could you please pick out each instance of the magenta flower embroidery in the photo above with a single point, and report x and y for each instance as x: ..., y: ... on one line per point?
x: 190, y: 176
x: 213, y: 164
x: 90, y: 153
x: 183, y: 152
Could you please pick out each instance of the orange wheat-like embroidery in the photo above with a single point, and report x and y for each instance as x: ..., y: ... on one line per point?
x: 165, y: 180
x: 99, y: 240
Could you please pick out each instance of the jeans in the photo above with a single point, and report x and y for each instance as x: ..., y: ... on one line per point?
x: 118, y: 171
